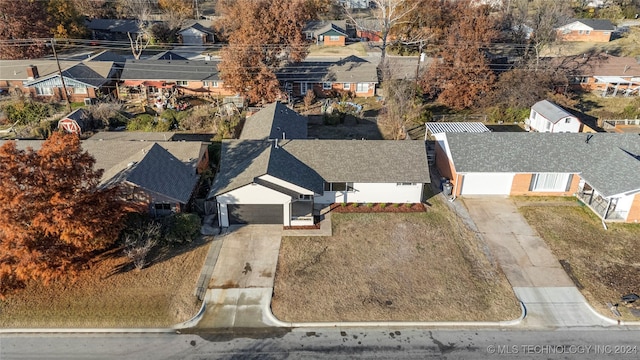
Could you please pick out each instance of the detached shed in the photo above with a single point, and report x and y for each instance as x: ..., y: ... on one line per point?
x: 546, y: 116
x: 75, y: 122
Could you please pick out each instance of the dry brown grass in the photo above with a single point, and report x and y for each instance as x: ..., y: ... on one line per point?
x: 158, y: 296
x: 391, y: 266
x: 605, y: 262
x: 357, y: 49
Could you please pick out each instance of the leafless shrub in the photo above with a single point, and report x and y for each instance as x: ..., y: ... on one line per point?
x: 138, y: 245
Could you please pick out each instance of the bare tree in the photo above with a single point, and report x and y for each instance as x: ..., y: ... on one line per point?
x: 386, y: 15
x: 137, y: 246
x: 402, y: 108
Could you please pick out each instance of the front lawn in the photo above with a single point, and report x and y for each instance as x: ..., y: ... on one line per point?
x: 391, y: 266
x: 158, y: 296
x: 604, y: 262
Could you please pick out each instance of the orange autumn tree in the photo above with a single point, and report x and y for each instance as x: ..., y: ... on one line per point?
x: 53, y: 215
x: 263, y: 36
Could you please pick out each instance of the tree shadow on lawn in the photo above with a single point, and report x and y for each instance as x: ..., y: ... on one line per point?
x: 157, y: 255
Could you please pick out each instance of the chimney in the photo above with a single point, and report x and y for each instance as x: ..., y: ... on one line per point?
x: 32, y: 72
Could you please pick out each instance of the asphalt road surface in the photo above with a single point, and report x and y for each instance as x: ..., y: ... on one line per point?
x: 333, y: 343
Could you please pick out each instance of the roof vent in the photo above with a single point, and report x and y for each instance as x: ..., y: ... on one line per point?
x: 588, y: 138
x: 131, y: 164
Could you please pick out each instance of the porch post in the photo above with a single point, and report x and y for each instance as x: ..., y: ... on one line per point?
x: 606, y: 211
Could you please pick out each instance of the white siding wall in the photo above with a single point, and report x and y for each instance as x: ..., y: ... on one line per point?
x: 252, y: 194
x: 374, y: 193
x: 573, y: 126
x: 539, y: 123
x: 624, y: 205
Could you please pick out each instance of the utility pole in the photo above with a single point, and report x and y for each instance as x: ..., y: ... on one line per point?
x: 64, y: 87
x: 421, y: 58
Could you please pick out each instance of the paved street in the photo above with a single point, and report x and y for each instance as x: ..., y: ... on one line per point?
x: 332, y: 343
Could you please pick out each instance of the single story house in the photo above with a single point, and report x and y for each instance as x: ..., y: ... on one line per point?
x: 279, y: 179
x: 613, y: 75
x: 115, y: 29
x: 591, y: 30
x: 160, y: 78
x: 546, y: 116
x: 600, y: 169
x: 40, y: 78
x: 352, y: 74
x: 327, y: 33
x: 197, y: 32
x: 161, y: 175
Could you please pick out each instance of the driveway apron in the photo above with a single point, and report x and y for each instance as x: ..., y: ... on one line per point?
x: 242, y: 281
x: 538, y: 280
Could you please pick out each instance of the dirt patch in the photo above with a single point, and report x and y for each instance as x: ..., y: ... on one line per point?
x: 350, y: 129
x: 425, y: 266
x: 160, y: 295
x: 604, y: 262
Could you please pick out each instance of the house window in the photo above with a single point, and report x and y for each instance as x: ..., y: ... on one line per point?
x: 334, y: 38
x: 309, y: 35
x: 550, y: 182
x: 567, y: 121
x: 163, y: 206
x: 587, y: 32
x: 580, y: 32
x: 304, y: 87
x: 338, y: 186
x: 182, y: 83
x: 362, y: 87
x: 44, y: 91
x: 346, y: 86
x: 326, y: 86
x: 547, y: 126
x: 404, y: 184
x: 211, y: 84
x: 80, y: 90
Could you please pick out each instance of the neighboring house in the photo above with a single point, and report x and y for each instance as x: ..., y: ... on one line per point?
x: 546, y: 116
x: 264, y: 178
x: 600, y: 169
x: 75, y: 122
x: 197, y: 33
x: 591, y: 30
x: 327, y: 33
x: 351, y: 74
x: 369, y: 30
x: 161, y: 175
x: 40, y: 78
x: 613, y: 75
x: 115, y: 29
x: 167, y: 55
x: 160, y: 78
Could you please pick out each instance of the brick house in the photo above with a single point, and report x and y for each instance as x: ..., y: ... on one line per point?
x: 591, y: 30
x: 600, y: 169
x: 40, y: 78
x: 328, y: 33
x: 161, y: 78
x: 327, y: 78
x: 613, y: 75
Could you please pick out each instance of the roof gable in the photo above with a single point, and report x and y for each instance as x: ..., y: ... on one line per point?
x: 276, y: 120
x: 550, y: 111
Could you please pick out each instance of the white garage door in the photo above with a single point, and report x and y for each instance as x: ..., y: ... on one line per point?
x: 487, y: 184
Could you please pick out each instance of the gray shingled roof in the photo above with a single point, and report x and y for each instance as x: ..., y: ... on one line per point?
x: 160, y: 173
x: 309, y: 163
x: 167, y: 55
x: 608, y: 162
x: 274, y: 120
x: 596, y: 24
x: 351, y: 69
x: 170, y: 70
x: 550, y: 111
x: 154, y: 169
x: 116, y: 25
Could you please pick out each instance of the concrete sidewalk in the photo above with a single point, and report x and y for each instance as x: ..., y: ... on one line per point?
x: 539, y: 281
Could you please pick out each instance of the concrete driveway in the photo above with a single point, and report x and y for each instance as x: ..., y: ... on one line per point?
x: 241, y: 286
x: 248, y: 257
x: 539, y: 281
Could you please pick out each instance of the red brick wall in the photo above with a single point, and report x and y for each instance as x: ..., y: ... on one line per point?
x: 328, y: 42
x: 634, y: 212
x: 521, y: 183
x: 446, y: 169
x: 593, y: 36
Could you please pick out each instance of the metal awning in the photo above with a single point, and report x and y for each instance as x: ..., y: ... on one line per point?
x: 612, y: 79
